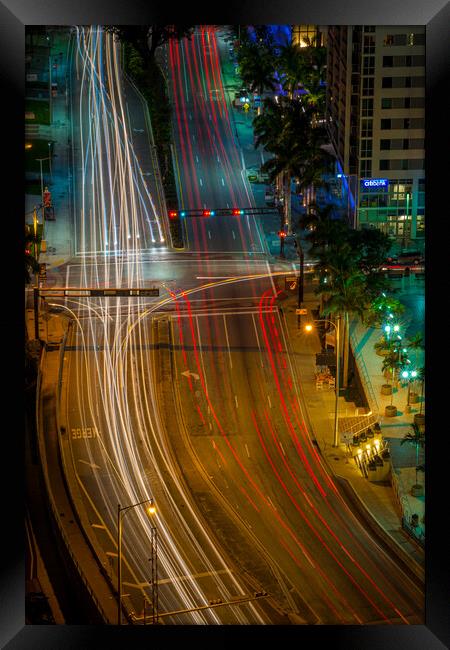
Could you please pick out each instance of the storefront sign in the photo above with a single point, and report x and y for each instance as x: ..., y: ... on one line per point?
x: 377, y: 183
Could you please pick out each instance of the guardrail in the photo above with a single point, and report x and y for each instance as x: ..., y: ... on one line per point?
x: 364, y: 375
x: 50, y: 498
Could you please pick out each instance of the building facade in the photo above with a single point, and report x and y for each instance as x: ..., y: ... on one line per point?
x: 376, y: 119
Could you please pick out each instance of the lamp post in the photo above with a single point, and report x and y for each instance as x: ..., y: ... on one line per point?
x: 120, y: 512
x: 308, y: 328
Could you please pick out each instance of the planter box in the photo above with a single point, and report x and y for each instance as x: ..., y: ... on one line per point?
x: 413, y: 398
x: 417, y: 491
x: 390, y: 411
x: 419, y: 419
x: 386, y: 389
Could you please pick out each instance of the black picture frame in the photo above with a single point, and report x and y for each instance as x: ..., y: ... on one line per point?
x: 14, y: 15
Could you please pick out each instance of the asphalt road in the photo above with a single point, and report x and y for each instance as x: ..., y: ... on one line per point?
x: 235, y: 417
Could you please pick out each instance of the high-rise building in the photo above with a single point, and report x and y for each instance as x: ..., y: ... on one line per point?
x: 376, y: 118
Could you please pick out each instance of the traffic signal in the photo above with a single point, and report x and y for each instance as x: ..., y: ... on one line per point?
x: 281, y: 233
x: 173, y: 214
x: 237, y: 211
x: 207, y: 213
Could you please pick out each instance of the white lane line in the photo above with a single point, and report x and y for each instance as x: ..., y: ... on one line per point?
x: 93, y: 465
x: 190, y: 116
x: 193, y: 137
x: 210, y: 426
x: 196, y: 158
x: 223, y: 182
x: 236, y: 401
x: 201, y: 357
x: 201, y: 182
x: 270, y: 501
x: 228, y: 205
x: 257, y: 339
x: 284, y: 453
x: 209, y: 234
x: 234, y: 236
x: 98, y: 526
x: 270, y: 403
x: 228, y: 342
x: 218, y: 159
x: 246, y: 449
x: 271, y: 279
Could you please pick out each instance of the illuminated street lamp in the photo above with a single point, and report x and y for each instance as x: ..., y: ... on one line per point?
x: 121, y: 511
x: 308, y: 328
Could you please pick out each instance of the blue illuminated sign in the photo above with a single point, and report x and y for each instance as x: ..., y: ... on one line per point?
x: 372, y: 183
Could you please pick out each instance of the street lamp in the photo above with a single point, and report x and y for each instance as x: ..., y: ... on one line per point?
x: 121, y: 510
x: 308, y: 328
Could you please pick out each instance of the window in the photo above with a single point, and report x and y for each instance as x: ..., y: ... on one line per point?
x: 412, y: 163
x: 367, y: 108
x: 367, y: 86
x: 388, y: 61
x: 403, y: 61
x: 368, y: 65
x: 366, y: 147
x: 366, y: 128
x: 386, y: 102
x: 369, y: 45
x: 385, y: 124
x: 365, y: 169
x: 403, y: 82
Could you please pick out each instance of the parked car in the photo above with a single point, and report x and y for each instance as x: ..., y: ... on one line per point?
x: 407, y: 257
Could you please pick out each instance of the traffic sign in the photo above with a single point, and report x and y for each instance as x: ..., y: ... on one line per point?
x: 290, y: 283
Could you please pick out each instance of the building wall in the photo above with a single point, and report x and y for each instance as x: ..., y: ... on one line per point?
x: 376, y: 117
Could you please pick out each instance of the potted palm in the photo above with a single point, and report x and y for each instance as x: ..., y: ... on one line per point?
x: 391, y: 363
x: 419, y: 418
x: 415, y: 437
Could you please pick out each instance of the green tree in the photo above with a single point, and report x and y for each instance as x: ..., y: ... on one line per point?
x: 257, y: 70
x: 147, y: 38
x: 416, y: 438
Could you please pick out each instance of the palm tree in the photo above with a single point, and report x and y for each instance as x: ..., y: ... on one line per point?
x: 257, y: 68
x: 415, y: 343
x: 416, y: 437
x: 292, y: 67
x: 345, y: 296
x: 421, y: 378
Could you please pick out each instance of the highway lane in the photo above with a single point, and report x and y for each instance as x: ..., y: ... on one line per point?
x: 210, y: 165
x: 121, y: 454
x: 113, y: 206
x: 259, y: 457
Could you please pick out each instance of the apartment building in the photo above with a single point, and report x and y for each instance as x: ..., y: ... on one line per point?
x: 376, y: 119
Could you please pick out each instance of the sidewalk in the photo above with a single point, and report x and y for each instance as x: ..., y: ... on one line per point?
x: 378, y: 499
x: 58, y: 233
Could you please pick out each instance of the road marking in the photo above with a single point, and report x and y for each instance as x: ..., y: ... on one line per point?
x: 111, y: 553
x: 201, y: 182
x: 228, y: 205
x: 284, y: 453
x: 270, y: 403
x: 93, y: 465
x: 193, y: 137
x: 190, y: 116
x: 236, y: 401
x: 228, y: 342
x: 196, y: 158
x: 223, y: 182
x: 246, y: 449
x: 269, y: 500
x: 210, y: 426
x: 234, y: 236
x: 218, y: 159
x: 98, y: 526
x: 188, y: 373
x: 209, y: 234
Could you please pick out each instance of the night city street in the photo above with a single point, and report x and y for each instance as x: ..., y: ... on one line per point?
x: 225, y: 325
